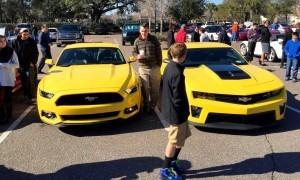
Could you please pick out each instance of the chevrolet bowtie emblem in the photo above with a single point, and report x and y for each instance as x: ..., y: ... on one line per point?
x: 90, y: 99
x: 244, y: 99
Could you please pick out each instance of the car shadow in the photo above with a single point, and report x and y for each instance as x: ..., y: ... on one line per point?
x: 139, y: 124
x: 127, y: 168
x: 286, y: 163
x: 289, y: 123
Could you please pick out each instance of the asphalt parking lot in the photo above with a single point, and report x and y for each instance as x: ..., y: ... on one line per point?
x: 30, y: 149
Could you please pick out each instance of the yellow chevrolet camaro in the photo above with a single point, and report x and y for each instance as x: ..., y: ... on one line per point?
x: 90, y: 83
x: 225, y: 91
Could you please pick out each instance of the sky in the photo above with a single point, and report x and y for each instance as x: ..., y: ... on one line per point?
x: 216, y: 1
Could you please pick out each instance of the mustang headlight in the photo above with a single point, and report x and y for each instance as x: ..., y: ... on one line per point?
x: 46, y: 94
x: 132, y: 89
x: 203, y: 95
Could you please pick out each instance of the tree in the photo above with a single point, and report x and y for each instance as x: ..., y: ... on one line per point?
x: 211, y: 8
x: 186, y: 9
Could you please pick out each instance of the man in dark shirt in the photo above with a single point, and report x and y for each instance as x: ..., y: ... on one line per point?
x: 27, y: 52
x: 265, y: 42
x: 195, y: 37
x: 45, y: 43
x: 175, y: 108
x: 171, y: 37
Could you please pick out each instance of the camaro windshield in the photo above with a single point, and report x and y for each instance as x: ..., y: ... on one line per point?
x: 213, y: 56
x: 132, y: 27
x: 90, y: 55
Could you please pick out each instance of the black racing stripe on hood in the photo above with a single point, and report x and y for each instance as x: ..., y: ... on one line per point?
x: 229, y: 72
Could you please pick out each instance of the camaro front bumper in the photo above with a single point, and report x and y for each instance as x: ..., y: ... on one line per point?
x: 222, y: 115
x: 54, y: 111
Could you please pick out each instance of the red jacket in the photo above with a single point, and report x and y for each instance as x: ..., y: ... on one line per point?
x: 181, y: 36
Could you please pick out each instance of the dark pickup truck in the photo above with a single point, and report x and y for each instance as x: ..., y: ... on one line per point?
x: 130, y: 32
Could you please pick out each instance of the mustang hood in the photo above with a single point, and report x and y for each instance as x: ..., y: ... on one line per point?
x: 86, y: 77
x: 231, y: 79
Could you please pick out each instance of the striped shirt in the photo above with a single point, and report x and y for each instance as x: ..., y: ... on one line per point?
x: 152, y: 51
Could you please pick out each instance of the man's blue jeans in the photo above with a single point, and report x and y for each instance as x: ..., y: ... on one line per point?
x: 289, y: 64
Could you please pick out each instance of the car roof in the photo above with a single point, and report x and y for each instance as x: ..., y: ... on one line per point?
x: 91, y: 44
x: 194, y: 45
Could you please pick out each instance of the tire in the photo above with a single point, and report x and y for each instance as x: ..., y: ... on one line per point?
x: 272, y: 56
x: 243, y: 49
x: 123, y: 43
x: 58, y: 45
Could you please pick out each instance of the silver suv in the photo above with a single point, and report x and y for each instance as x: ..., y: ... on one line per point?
x: 68, y: 34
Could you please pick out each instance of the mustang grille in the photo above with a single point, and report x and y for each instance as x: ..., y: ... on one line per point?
x: 89, y: 99
x: 260, y: 119
x: 90, y: 116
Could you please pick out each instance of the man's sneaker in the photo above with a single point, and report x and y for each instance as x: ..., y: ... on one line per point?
x: 294, y: 80
x: 179, y: 170
x: 287, y: 78
x: 167, y: 174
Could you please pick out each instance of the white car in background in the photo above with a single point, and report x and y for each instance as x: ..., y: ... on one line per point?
x: 276, y: 48
x: 212, y: 31
x: 53, y: 34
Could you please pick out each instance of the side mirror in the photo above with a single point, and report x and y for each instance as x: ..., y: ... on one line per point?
x: 132, y: 59
x: 49, y: 62
x: 166, y: 60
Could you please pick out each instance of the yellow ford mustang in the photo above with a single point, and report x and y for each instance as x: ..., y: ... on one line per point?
x: 225, y: 91
x: 90, y: 83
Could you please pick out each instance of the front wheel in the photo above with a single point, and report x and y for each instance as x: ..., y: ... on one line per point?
x: 272, y: 56
x: 243, y: 49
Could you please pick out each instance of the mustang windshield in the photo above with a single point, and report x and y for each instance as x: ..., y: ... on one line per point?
x: 212, y: 56
x: 94, y: 55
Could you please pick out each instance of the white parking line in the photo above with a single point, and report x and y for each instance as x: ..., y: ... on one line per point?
x: 6, y: 133
x: 293, y: 109
x: 116, y: 41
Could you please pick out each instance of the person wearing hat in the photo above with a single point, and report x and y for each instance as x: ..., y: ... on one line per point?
x: 8, y: 64
x: 27, y: 52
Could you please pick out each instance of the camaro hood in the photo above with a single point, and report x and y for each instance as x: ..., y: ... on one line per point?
x: 231, y: 79
x: 86, y: 77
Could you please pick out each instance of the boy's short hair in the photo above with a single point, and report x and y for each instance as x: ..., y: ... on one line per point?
x: 144, y: 25
x: 295, y: 34
x: 178, y: 50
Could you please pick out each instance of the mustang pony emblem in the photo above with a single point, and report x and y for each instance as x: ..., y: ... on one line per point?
x: 90, y: 99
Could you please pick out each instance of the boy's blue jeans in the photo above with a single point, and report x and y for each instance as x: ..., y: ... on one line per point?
x: 289, y: 64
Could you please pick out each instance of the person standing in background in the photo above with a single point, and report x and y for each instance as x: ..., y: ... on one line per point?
x: 203, y: 37
x: 147, y: 51
x: 35, y: 33
x: 181, y: 34
x: 195, y: 37
x: 292, y: 50
x: 45, y: 44
x: 235, y: 29
x: 171, y: 35
x: 8, y: 65
x: 27, y: 52
x: 265, y: 42
x: 252, y: 36
x: 287, y: 36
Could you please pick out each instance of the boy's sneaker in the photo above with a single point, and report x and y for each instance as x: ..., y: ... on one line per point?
x: 294, y: 80
x: 167, y: 174
x: 179, y: 170
x: 287, y: 78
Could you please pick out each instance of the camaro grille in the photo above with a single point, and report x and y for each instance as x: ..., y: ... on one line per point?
x: 68, y: 36
x: 260, y: 119
x: 89, y: 99
x: 237, y: 99
x: 90, y: 116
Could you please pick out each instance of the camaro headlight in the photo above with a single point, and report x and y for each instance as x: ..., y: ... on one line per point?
x: 45, y: 94
x: 203, y: 95
x: 124, y: 34
x: 132, y: 89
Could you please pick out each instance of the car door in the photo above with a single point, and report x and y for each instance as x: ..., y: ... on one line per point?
x: 258, y: 49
